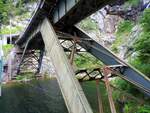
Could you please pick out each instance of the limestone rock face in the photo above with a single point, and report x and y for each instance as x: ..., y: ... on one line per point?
x: 111, y: 22
x: 107, y: 26
x: 134, y: 35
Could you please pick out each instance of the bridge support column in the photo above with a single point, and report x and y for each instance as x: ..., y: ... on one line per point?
x: 22, y: 57
x: 72, y: 92
x: 106, y: 72
x: 100, y: 104
x: 40, y: 61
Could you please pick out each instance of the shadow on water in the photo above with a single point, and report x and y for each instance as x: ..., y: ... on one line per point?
x: 37, y: 96
x: 44, y: 96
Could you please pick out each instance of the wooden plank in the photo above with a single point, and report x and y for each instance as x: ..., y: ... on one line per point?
x: 72, y: 92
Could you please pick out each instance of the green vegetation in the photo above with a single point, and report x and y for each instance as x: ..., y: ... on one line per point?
x: 124, y: 29
x: 13, y: 30
x: 143, y: 67
x: 87, y: 61
x: 145, y: 21
x: 142, y: 46
x: 88, y: 25
x: 7, y: 48
x: 126, y: 86
x: 27, y: 75
x: 9, y: 8
x: 133, y: 99
x: 133, y: 3
x: 140, y: 60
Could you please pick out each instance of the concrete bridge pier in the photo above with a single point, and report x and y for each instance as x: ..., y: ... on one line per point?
x: 72, y: 92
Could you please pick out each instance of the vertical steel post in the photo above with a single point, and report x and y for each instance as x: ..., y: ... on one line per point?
x: 107, y: 72
x: 22, y: 57
x: 40, y: 61
x: 72, y: 53
x: 10, y: 25
x: 10, y: 61
x: 100, y: 104
x: 1, y: 72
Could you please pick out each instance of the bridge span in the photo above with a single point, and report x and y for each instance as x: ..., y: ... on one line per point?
x: 55, y: 20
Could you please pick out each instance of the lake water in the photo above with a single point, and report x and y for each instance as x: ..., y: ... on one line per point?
x: 43, y: 96
x: 38, y: 96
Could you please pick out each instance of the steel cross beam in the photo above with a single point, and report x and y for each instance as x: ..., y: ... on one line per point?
x: 30, y: 60
x: 108, y: 58
x: 40, y: 61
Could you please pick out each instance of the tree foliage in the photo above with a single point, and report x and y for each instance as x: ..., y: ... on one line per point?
x: 133, y: 3
x: 123, y: 32
x: 3, y: 10
x: 11, y: 8
x: 140, y: 60
x: 87, y: 61
x: 142, y: 46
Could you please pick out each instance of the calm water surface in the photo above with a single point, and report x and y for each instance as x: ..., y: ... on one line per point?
x: 44, y: 96
x: 38, y: 96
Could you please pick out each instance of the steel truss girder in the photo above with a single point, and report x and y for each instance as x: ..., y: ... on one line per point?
x: 30, y: 58
x: 95, y: 74
x: 69, y: 49
x: 108, y: 58
x: 127, y: 72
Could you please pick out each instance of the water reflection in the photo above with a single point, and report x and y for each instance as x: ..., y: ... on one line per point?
x: 37, y: 96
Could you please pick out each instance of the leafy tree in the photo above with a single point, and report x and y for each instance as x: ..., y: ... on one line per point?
x: 142, y: 46
x: 11, y: 8
x: 123, y: 32
x: 3, y: 10
x: 145, y: 21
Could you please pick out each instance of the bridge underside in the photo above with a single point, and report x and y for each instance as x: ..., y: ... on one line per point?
x: 54, y: 21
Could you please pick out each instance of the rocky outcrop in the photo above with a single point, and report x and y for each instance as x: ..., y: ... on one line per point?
x: 127, y: 47
x: 107, y: 26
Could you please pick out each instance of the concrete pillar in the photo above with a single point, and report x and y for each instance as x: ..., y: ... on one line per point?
x: 72, y: 92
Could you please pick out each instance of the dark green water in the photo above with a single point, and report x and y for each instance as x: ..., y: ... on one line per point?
x: 44, y: 96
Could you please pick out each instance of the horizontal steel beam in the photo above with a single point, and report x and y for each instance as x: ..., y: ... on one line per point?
x: 70, y: 12
x: 62, y: 13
